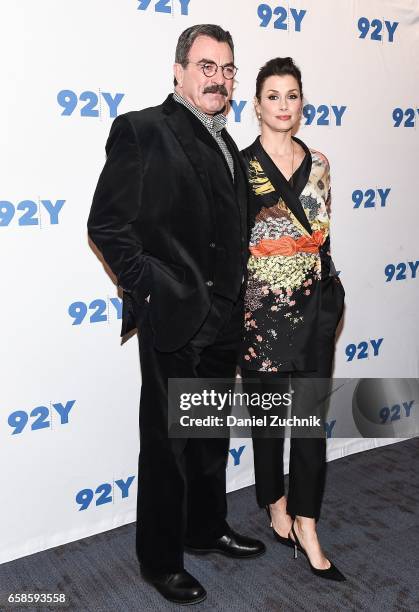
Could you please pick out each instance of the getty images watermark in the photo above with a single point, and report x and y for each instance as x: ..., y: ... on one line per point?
x: 227, y: 400
x: 303, y: 407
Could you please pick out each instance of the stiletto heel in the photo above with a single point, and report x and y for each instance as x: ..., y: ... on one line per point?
x: 331, y: 573
x: 285, y: 541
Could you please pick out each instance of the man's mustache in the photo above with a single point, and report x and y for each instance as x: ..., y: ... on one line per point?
x: 216, y: 89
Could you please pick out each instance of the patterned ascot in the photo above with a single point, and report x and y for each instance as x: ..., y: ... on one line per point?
x: 214, y: 124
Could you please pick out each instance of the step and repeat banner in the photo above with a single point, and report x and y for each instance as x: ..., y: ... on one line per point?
x: 69, y: 390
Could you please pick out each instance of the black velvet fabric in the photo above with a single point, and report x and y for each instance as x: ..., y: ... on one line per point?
x: 182, y: 482
x: 154, y: 220
x: 225, y: 197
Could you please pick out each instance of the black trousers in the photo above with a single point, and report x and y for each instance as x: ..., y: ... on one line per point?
x: 182, y: 482
x: 307, y: 465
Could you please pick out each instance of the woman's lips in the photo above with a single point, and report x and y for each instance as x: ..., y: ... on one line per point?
x: 284, y: 117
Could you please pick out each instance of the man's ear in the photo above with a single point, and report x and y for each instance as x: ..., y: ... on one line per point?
x: 178, y: 71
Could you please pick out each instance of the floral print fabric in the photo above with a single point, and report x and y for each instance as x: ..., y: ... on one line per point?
x: 285, y: 266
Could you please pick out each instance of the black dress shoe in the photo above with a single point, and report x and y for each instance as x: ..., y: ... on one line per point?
x: 231, y: 544
x: 179, y: 587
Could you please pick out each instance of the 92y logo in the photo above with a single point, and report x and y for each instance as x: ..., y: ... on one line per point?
x: 325, y: 115
x: 361, y: 351
x: 404, y: 271
x: 395, y: 412
x: 284, y: 19
x: 236, y: 454
x: 94, y: 104
x: 164, y: 6
x: 237, y: 106
x: 106, y: 493
x: 409, y: 116
x: 382, y: 31
x: 370, y: 198
x: 29, y: 212
x: 40, y: 417
x: 100, y: 310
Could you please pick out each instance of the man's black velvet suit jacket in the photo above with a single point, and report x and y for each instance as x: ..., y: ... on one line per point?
x: 153, y: 219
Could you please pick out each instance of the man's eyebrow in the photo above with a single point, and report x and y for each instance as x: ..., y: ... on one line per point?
x: 204, y: 60
x: 210, y: 61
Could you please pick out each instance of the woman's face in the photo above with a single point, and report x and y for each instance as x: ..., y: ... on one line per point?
x: 280, y: 103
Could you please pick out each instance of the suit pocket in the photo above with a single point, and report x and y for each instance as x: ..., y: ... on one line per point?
x: 174, y: 271
x: 128, y: 314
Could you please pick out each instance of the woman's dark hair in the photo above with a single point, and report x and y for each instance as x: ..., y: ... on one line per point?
x: 279, y: 66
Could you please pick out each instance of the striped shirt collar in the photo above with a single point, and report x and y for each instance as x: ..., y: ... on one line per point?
x: 213, y: 123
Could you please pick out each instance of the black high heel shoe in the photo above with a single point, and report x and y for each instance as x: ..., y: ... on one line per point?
x: 285, y: 541
x: 331, y: 573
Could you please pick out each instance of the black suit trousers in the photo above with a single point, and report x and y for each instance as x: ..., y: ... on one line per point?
x: 307, y: 466
x: 182, y: 482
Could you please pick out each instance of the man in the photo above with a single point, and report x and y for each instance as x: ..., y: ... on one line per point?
x: 169, y: 216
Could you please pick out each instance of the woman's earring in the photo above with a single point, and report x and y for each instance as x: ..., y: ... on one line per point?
x: 259, y: 116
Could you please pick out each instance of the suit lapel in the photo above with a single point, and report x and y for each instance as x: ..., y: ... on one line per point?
x: 183, y: 130
x: 240, y: 177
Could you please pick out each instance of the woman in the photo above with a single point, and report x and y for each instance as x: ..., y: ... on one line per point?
x: 294, y: 300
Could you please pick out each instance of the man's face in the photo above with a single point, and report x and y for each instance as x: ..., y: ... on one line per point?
x: 209, y: 94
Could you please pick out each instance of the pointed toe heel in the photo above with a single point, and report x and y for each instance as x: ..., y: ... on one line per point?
x: 331, y: 573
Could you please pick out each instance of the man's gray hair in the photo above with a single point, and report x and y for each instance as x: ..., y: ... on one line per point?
x: 187, y: 38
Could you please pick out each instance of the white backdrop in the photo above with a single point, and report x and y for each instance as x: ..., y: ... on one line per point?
x: 69, y: 391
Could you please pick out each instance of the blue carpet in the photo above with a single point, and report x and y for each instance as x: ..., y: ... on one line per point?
x: 369, y: 527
